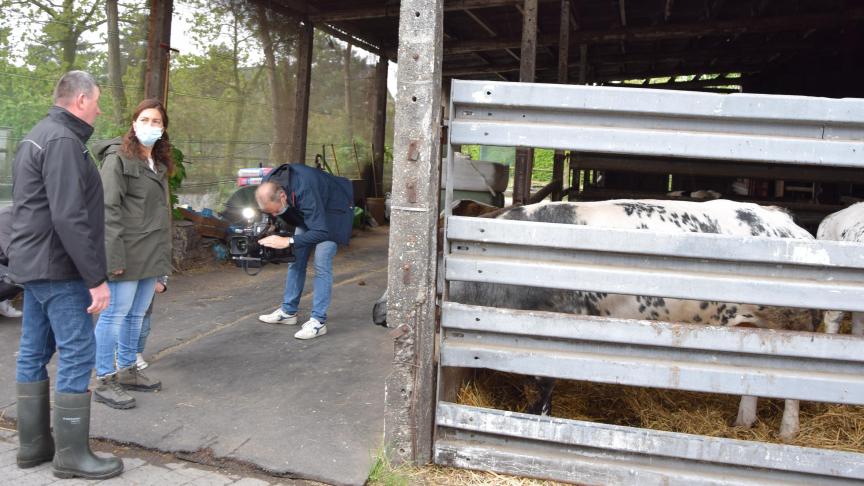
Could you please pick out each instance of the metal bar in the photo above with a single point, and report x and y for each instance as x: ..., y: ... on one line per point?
x: 700, y: 246
x: 593, y: 453
x: 659, y: 368
x: 788, y: 129
x: 572, y: 101
x: 572, y: 347
x: 554, y: 325
x: 729, y: 168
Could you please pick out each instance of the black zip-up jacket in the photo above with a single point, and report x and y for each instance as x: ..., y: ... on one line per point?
x: 58, y: 210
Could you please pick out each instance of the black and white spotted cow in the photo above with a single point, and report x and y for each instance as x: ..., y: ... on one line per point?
x: 844, y: 225
x: 663, y: 216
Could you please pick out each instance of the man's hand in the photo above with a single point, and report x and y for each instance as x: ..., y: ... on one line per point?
x: 160, y: 287
x: 277, y: 242
x: 101, y: 296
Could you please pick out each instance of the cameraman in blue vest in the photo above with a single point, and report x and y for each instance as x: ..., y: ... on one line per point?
x: 320, y: 207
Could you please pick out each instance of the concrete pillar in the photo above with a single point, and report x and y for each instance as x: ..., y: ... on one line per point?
x: 410, y: 388
x: 158, y: 50
x: 379, y: 128
x: 525, y: 155
x: 301, y: 96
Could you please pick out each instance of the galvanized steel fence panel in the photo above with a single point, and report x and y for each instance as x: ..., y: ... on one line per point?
x: 781, y: 272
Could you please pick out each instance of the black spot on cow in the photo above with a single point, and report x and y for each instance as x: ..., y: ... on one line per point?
x: 697, y: 318
x: 642, y: 210
x: 703, y: 305
x: 752, y: 220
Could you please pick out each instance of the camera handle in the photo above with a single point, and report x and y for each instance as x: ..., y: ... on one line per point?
x: 244, y: 264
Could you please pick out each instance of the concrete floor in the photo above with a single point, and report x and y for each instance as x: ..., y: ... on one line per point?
x: 236, y: 388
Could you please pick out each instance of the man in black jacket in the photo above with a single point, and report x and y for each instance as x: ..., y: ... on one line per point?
x: 58, y: 252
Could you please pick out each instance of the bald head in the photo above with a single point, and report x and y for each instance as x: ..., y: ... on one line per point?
x: 271, y: 198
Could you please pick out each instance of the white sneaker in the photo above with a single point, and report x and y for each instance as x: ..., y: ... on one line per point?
x: 6, y: 309
x: 140, y: 363
x: 311, y: 329
x: 279, y: 317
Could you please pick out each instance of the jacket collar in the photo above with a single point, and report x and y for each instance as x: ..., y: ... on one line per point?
x: 79, y: 127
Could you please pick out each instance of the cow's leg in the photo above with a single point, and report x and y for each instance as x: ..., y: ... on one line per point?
x: 858, y: 323
x: 746, y: 412
x: 789, y: 425
x: 543, y: 405
x: 832, y: 321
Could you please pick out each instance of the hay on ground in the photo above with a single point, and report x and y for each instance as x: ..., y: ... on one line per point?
x: 825, y: 426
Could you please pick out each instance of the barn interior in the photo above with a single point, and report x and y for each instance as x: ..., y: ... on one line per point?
x: 802, y: 47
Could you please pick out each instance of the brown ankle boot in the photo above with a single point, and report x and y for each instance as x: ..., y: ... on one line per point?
x: 132, y: 378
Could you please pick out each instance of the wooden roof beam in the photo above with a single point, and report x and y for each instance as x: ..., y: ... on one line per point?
x: 720, y: 54
x: 393, y: 11
x: 488, y: 29
x: 771, y: 24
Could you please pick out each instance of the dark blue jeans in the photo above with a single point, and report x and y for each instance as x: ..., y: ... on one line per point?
x: 56, y: 319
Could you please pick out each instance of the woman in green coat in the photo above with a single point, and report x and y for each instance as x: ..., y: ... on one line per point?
x: 135, y: 171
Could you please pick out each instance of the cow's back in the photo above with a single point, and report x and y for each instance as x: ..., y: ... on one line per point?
x: 844, y: 225
x: 719, y: 216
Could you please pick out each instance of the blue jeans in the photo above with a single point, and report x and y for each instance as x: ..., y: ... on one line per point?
x: 322, y: 283
x: 145, y: 328
x: 56, y: 318
x: 119, y: 326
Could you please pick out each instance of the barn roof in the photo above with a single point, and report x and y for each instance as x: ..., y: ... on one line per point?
x: 619, y: 39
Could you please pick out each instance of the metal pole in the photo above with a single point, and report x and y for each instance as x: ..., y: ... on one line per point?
x: 410, y: 388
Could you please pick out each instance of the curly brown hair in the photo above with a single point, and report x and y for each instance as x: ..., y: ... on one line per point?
x: 161, y: 152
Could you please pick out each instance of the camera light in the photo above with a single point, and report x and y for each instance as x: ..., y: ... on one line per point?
x: 248, y: 213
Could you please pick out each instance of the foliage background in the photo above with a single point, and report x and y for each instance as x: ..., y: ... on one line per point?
x: 228, y: 106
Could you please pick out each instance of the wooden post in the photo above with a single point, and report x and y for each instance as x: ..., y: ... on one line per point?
x: 410, y: 388
x: 158, y: 45
x: 379, y: 128
x: 563, y: 57
x: 301, y: 97
x: 525, y: 155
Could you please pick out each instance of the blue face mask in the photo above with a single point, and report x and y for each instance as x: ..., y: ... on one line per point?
x: 147, y: 134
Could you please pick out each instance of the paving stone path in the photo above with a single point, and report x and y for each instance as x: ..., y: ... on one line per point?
x: 137, y: 472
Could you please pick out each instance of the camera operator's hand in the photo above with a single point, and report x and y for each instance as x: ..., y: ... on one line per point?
x: 276, y: 242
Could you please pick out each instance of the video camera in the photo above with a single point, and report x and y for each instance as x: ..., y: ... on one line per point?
x: 245, y: 250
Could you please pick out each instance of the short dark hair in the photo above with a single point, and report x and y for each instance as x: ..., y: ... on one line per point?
x: 71, y: 85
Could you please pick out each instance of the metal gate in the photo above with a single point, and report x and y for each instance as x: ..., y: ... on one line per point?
x: 779, y: 272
